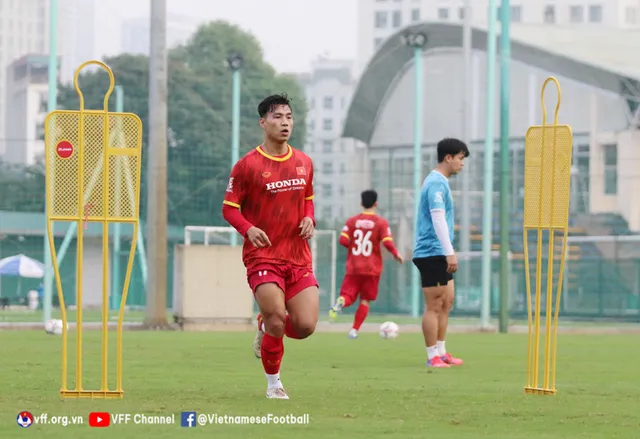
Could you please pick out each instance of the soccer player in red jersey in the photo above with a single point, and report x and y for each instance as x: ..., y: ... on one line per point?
x: 362, y: 236
x: 269, y: 201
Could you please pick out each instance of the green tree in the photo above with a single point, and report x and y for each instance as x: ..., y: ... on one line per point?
x: 23, y: 188
x: 199, y: 103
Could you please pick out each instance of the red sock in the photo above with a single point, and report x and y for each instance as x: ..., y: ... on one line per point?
x: 289, y: 330
x: 272, y: 350
x: 348, y: 301
x: 361, y: 314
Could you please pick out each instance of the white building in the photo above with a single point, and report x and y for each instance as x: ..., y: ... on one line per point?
x: 379, y: 19
x: 26, y: 102
x: 24, y: 28
x: 328, y: 89
x: 135, y: 33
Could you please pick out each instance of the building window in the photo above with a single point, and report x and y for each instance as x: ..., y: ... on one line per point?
x: 312, y: 125
x: 550, y: 14
x: 516, y: 14
x: 341, y: 191
x: 327, y: 168
x: 327, y: 124
x: 327, y: 190
x: 343, y: 168
x: 327, y: 146
x: 610, y: 169
x: 326, y: 212
x: 396, y: 18
x: 381, y: 19
x: 631, y: 15
x: 576, y: 14
x: 377, y: 42
x: 443, y: 13
x: 595, y: 14
x: 415, y: 15
x: 461, y: 13
x: 327, y: 103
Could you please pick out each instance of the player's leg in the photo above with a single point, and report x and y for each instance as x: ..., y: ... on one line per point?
x: 302, y: 303
x: 348, y: 295
x: 268, y: 287
x: 368, y: 287
x: 434, y: 293
x: 443, y: 323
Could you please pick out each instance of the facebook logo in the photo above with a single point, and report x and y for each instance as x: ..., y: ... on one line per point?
x: 189, y: 419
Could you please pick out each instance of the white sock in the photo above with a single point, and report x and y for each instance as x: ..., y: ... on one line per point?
x: 273, y: 381
x: 262, y: 327
x: 441, y: 350
x: 432, y: 352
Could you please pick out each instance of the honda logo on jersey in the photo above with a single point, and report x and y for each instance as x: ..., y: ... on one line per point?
x: 287, y: 185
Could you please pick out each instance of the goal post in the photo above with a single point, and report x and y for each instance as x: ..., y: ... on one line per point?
x: 324, y: 254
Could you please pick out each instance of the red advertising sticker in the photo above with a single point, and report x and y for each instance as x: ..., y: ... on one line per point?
x: 64, y: 149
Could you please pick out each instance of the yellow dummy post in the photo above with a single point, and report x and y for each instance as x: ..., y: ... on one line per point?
x: 547, y: 188
x: 90, y: 156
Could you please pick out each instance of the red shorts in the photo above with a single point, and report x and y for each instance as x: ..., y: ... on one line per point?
x: 290, y: 279
x: 365, y: 285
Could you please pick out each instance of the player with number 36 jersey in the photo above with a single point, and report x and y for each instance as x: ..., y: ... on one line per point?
x: 363, y: 235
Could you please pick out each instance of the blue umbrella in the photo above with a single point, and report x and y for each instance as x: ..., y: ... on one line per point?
x: 21, y: 265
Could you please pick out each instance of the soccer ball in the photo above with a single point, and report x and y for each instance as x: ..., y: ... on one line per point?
x: 54, y: 327
x: 389, y: 330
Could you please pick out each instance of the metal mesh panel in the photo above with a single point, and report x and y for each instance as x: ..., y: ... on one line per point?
x: 547, y: 176
x: 76, y: 147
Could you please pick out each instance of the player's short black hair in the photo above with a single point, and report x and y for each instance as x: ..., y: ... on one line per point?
x: 450, y: 146
x: 271, y: 102
x: 369, y: 198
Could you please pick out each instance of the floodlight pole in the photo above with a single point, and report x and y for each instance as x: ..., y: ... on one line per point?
x: 505, y: 54
x: 487, y: 217
x: 47, y: 302
x: 417, y: 42
x: 235, y: 62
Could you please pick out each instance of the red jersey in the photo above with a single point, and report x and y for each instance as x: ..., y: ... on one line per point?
x: 365, y: 232
x: 271, y: 193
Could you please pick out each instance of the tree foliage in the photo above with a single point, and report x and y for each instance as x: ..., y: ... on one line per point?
x: 199, y: 113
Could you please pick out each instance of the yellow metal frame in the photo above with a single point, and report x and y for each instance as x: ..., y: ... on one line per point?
x: 57, y: 193
x: 553, y: 217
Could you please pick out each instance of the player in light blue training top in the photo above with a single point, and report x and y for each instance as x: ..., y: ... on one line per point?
x: 433, y: 250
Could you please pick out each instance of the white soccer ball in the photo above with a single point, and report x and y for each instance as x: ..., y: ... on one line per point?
x: 48, y: 326
x: 54, y: 327
x: 389, y: 330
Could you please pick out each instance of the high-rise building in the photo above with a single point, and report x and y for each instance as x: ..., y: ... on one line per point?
x: 24, y: 28
x: 379, y: 19
x: 329, y: 87
x: 26, y: 101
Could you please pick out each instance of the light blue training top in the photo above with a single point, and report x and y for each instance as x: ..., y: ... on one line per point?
x: 435, y: 195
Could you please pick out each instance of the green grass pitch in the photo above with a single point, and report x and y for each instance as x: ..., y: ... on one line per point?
x: 365, y: 388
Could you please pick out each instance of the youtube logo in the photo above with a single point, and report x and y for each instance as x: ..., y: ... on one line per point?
x: 99, y: 419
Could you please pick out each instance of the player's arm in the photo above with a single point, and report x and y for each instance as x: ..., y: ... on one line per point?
x: 345, y: 236
x: 233, y: 199
x: 309, y: 209
x: 308, y: 223
x: 387, y: 240
x: 437, y: 210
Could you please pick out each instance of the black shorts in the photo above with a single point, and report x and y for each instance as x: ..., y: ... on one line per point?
x: 433, y: 271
